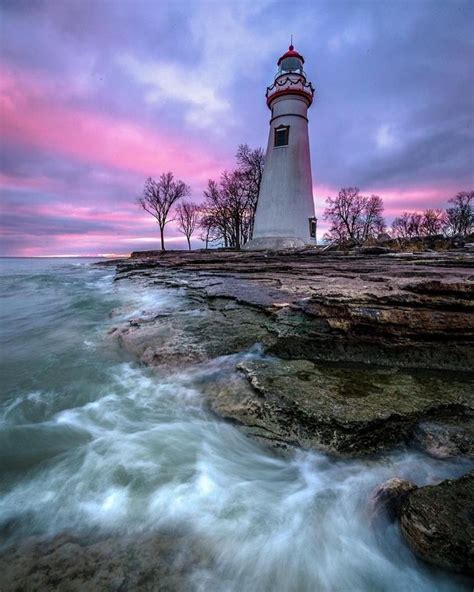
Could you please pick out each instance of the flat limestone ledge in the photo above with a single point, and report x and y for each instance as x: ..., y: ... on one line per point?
x: 397, y: 310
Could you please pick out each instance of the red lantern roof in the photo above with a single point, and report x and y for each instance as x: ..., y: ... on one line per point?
x: 291, y: 53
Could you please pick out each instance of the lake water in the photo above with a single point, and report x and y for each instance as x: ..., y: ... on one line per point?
x: 92, y: 441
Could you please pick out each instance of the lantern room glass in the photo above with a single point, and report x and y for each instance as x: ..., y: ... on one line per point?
x: 291, y: 64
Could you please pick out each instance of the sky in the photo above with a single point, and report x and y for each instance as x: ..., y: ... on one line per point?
x: 95, y: 96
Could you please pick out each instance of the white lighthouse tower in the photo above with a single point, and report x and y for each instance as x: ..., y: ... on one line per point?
x: 285, y: 210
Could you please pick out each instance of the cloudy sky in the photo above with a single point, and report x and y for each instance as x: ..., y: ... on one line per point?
x: 97, y: 95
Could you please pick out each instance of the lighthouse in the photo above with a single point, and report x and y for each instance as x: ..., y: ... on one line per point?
x: 285, y: 210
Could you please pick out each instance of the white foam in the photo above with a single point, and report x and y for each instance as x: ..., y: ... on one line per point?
x: 141, y: 452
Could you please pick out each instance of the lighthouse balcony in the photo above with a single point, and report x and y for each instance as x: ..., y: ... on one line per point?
x: 291, y: 84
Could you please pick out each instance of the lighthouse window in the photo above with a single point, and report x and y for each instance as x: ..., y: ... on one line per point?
x: 281, y: 135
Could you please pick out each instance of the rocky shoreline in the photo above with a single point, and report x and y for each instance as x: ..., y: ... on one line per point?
x: 361, y: 353
x: 402, y: 310
x: 348, y: 354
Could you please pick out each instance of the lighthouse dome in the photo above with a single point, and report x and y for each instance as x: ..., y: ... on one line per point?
x: 291, y: 61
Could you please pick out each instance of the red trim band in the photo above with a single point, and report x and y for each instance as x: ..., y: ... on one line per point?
x: 290, y: 91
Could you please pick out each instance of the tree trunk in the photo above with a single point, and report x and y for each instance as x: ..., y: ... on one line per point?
x: 189, y: 243
x: 252, y: 219
x: 162, y: 236
x: 237, y: 233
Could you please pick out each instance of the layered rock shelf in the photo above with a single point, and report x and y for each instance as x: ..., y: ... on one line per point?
x: 361, y: 352
x: 404, y: 310
x: 348, y: 354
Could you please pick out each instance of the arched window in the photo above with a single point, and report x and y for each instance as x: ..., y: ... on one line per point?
x: 282, y: 134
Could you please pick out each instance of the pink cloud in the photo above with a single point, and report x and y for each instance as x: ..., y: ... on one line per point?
x: 30, y: 113
x: 396, y: 201
x: 37, y: 112
x: 131, y: 216
x: 39, y: 183
x: 66, y: 244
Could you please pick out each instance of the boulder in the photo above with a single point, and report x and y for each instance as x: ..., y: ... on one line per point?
x: 387, y: 498
x: 437, y: 521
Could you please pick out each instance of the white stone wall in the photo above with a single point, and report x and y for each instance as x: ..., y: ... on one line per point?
x: 286, y: 195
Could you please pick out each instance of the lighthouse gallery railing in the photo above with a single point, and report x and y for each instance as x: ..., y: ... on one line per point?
x: 288, y: 84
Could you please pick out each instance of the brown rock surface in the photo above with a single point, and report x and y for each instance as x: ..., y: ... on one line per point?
x: 338, y: 409
x: 438, y: 523
x: 387, y: 498
x: 446, y: 439
x: 67, y: 563
x: 378, y: 320
x: 393, y: 309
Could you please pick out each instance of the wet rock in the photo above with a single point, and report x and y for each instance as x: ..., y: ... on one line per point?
x: 344, y: 410
x: 387, y: 498
x: 69, y: 563
x: 437, y: 521
x: 194, y: 333
x: 404, y: 310
x: 351, y: 331
x: 446, y: 439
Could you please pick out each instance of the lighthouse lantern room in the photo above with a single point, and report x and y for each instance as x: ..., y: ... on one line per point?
x: 285, y: 210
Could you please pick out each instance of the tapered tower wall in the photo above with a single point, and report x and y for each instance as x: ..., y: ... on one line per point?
x: 285, y: 203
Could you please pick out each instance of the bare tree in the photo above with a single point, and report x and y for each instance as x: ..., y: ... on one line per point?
x: 236, y: 199
x: 187, y: 216
x: 342, y: 211
x: 354, y: 216
x: 159, y: 197
x: 228, y: 211
x: 373, y: 223
x: 433, y: 222
x: 206, y: 224
x: 408, y: 225
x: 250, y: 164
x: 215, y: 220
x: 460, y: 217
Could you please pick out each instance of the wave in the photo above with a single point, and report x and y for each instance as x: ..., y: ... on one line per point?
x: 92, y: 443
